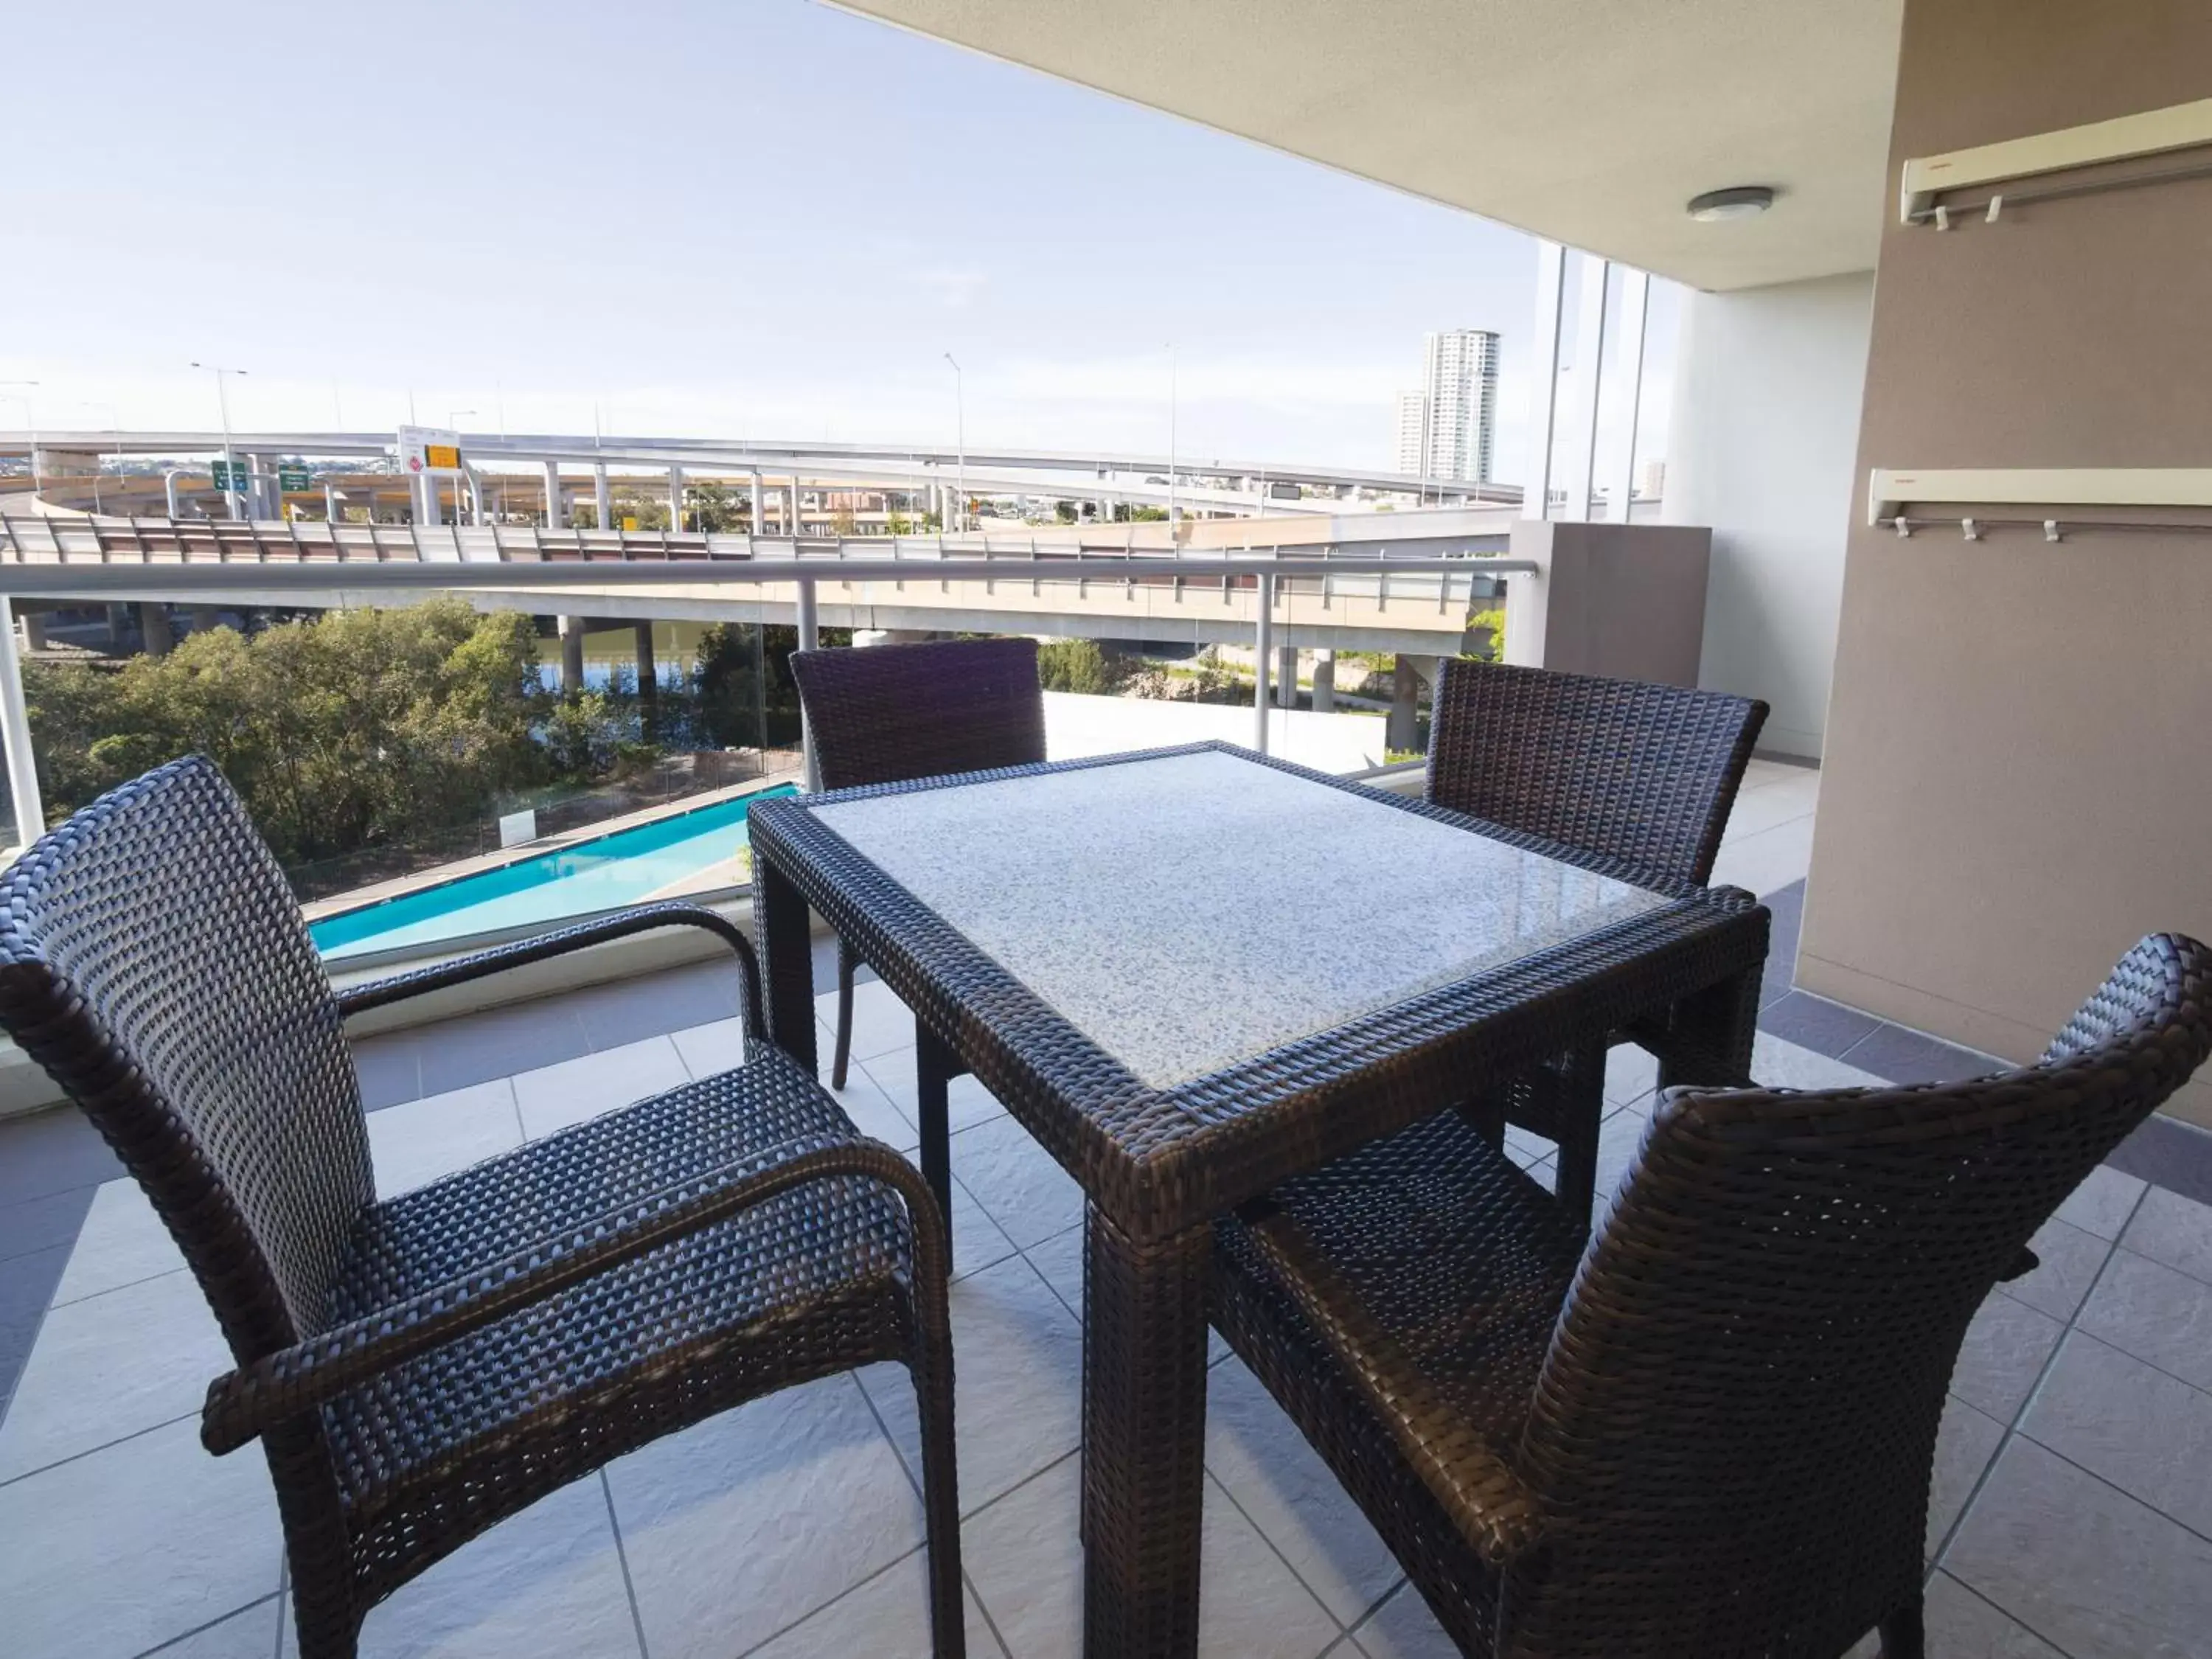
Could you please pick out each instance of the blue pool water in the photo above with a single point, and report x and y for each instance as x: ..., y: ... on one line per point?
x: 601, y: 874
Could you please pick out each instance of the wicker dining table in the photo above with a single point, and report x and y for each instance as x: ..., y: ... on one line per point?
x: 1193, y: 973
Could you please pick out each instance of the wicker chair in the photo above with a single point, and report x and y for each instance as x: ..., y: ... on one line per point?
x: 1710, y: 1433
x: 1643, y: 774
x: 892, y: 713
x: 418, y: 1368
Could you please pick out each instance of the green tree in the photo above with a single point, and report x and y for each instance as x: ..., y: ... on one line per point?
x: 1082, y: 666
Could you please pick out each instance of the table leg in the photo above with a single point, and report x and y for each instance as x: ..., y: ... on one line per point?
x: 1144, y: 1440
x: 1709, y: 1036
x: 935, y: 1067
x: 786, y: 950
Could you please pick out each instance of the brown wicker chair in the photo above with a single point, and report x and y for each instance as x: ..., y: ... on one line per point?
x: 418, y: 1368
x: 893, y: 713
x: 1710, y: 1432
x: 1623, y: 770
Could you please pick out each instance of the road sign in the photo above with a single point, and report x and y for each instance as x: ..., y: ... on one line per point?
x: 221, y: 471
x: 293, y: 478
x: 428, y: 449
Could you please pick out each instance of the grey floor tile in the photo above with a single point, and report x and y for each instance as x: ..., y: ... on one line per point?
x: 1020, y: 1358
x: 978, y: 1241
x: 249, y: 1633
x: 2148, y: 1433
x: 1262, y: 1460
x: 654, y: 1004
x: 117, y: 1553
x: 1016, y: 1181
x: 122, y: 1242
x: 2082, y: 1564
x: 554, y: 1096
x: 967, y: 1102
x: 885, y: 1618
x: 423, y: 1141
x: 1815, y: 1022
x: 1630, y: 1072
x: 2005, y: 1350
x: 389, y: 1067
x: 2175, y: 1230
x: 112, y: 1365
x: 52, y: 1151
x: 2103, y: 1202
x: 477, y: 1048
x: 738, y: 1527
x: 1903, y: 1056
x: 1404, y: 1628
x: 1027, y: 1565
x: 1965, y: 1442
x: 2144, y: 1308
x: 1962, y: 1626
x: 1779, y: 1064
x: 2169, y: 1153
x: 881, y: 1022
x: 544, y: 1584
x: 716, y: 1046
x: 2069, y: 1261
x: 26, y: 1287
x: 40, y: 1223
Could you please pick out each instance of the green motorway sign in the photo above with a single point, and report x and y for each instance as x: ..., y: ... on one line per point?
x: 292, y: 478
x: 222, y: 471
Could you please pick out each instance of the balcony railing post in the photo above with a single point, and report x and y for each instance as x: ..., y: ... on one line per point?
x: 1265, y: 641
x: 16, y: 730
x: 810, y: 637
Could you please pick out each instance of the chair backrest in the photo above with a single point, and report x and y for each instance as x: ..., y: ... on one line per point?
x: 1646, y: 773
x: 889, y: 712
x: 153, y: 959
x: 1735, y: 1424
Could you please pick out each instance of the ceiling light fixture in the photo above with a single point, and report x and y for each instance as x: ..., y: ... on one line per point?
x: 1737, y: 202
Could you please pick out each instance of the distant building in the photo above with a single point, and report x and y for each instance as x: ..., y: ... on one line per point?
x: 1461, y: 393
x: 1413, y: 434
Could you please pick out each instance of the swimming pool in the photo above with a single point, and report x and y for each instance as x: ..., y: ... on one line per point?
x: 604, y: 873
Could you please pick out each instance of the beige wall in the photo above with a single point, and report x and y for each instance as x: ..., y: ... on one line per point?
x: 2019, y: 773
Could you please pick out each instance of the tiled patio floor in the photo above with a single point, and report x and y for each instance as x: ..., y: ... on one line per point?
x: 2071, y: 1513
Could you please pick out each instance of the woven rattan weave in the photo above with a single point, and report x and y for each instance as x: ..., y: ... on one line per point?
x: 418, y: 1368
x: 1160, y: 1165
x: 1647, y: 773
x: 892, y: 713
x: 1709, y: 1434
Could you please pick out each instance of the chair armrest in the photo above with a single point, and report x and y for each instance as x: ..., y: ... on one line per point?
x: 243, y: 1403
x: 642, y: 919
x: 1484, y: 1496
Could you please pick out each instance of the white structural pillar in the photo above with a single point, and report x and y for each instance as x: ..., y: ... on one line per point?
x: 1262, y: 655
x: 426, y: 507
x: 1324, y: 682
x: 676, y: 498
x: 1287, y: 676
x: 1581, y: 482
x: 760, y: 505
x: 602, y: 500
x: 1635, y: 304
x: 556, y: 506
x: 330, y: 503
x: 792, y: 528
x: 169, y: 491
x: 15, y: 733
x: 572, y: 654
x: 1544, y: 378
x: 809, y: 638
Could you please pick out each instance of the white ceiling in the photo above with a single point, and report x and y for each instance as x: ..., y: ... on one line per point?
x: 1589, y: 121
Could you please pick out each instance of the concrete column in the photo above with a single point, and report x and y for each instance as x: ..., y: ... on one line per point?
x: 572, y: 654
x: 154, y: 628
x: 1287, y: 676
x: 556, y: 507
x: 1324, y: 682
x: 426, y: 507
x: 331, y: 513
x: 760, y: 505
x: 34, y: 629
x: 204, y: 617
x: 648, y: 678
x: 602, y: 498
x: 1401, y: 728
x: 676, y: 498
x: 169, y: 491
x: 791, y: 528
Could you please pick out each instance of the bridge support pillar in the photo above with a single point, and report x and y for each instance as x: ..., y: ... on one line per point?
x: 791, y: 527
x: 676, y: 498
x: 1401, y: 730
x: 1324, y: 682
x: 602, y: 500
x: 169, y: 491
x: 649, y: 679
x: 34, y: 629
x: 572, y: 655
x: 760, y: 506
x: 1287, y: 676
x: 154, y: 628
x: 557, y: 509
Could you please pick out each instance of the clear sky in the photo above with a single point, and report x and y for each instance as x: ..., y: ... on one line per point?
x: 758, y: 218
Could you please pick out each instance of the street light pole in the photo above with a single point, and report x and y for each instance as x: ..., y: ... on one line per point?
x: 1175, y: 512
x: 229, y: 461
x: 960, y: 418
